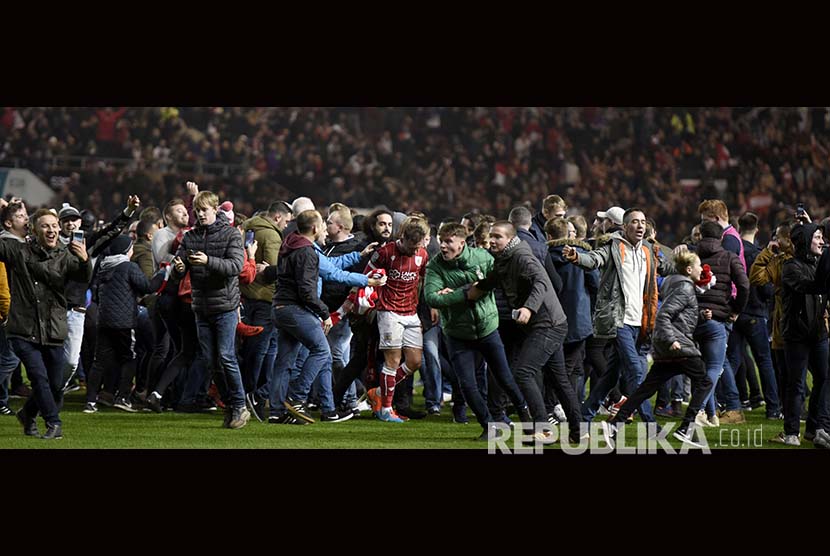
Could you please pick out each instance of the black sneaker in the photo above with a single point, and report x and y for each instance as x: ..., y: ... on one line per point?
x: 153, y: 402
x: 298, y: 409
x: 256, y: 405
x: 410, y: 413
x: 285, y: 419
x: 435, y: 410
x: 124, y: 405
x: 756, y: 403
x: 6, y: 410
x: 53, y: 432
x: 206, y: 405
x: 90, y: 408
x: 336, y: 416
x: 29, y: 424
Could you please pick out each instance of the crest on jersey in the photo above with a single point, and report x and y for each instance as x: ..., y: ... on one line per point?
x: 418, y: 260
x: 479, y: 273
x: 392, y: 258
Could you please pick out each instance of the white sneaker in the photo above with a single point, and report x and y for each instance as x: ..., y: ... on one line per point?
x: 446, y: 397
x: 559, y: 413
x: 364, y: 406
x: 701, y: 420
x: 714, y: 420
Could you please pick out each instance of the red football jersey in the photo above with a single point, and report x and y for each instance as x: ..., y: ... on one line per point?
x: 404, y: 272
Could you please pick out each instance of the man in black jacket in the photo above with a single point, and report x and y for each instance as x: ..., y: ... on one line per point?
x: 38, y: 273
x: 805, y: 337
x: 213, y: 252
x: 538, y: 312
x: 298, y: 313
x: 751, y: 328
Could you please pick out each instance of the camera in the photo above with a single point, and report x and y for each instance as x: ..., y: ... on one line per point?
x: 799, y: 210
x: 249, y: 238
x: 78, y: 235
x: 191, y: 252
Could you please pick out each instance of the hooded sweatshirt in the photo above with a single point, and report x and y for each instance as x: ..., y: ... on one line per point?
x: 297, y: 275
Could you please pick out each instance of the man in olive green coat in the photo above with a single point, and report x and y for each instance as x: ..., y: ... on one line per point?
x: 470, y: 327
x: 256, y: 301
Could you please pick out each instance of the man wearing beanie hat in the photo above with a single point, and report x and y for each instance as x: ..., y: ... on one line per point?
x: 117, y: 285
x: 226, y: 208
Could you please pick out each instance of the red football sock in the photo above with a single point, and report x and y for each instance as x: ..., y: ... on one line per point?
x: 388, y: 379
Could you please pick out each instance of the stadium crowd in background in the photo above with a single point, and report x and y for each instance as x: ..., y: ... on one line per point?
x: 521, y: 244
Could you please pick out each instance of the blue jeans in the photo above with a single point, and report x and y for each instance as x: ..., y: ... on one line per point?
x: 711, y: 335
x: 44, y: 365
x: 818, y: 411
x: 340, y: 339
x: 754, y: 330
x: 74, y: 339
x: 299, y: 327
x: 431, y: 369
x: 463, y: 356
x: 217, y: 338
x: 254, y: 348
x: 263, y: 391
x: 628, y: 365
x: 8, y: 363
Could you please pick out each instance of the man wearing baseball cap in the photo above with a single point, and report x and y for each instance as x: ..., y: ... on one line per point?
x: 614, y: 214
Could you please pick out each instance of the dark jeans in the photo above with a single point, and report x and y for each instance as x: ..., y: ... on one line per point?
x: 298, y: 326
x: 541, y: 358
x: 257, y: 313
x: 754, y: 331
x: 182, y: 366
x: 114, y: 353
x: 462, y: 354
x: 144, y: 343
x: 217, y: 338
x: 660, y: 372
x: 44, y: 366
x: 364, y: 335
x: 626, y: 364
x: 166, y: 336
x: 9, y: 362
x: 799, y: 355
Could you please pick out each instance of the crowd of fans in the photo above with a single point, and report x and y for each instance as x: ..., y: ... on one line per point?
x: 439, y: 160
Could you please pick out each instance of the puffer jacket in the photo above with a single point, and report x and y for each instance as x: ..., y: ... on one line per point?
x: 459, y: 318
x: 269, y: 242
x: 526, y: 284
x: 610, y: 303
x: 676, y: 319
x: 216, y: 284
x: 117, y: 284
x: 803, y: 296
x: 37, y: 280
x: 728, y: 269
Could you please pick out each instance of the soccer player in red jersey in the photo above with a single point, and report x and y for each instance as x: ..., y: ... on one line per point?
x: 405, y: 262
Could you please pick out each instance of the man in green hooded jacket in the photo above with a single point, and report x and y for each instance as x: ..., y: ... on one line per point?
x: 469, y: 327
